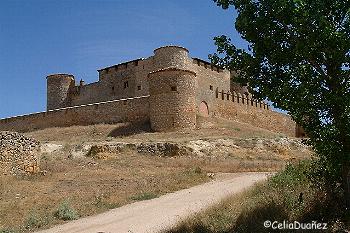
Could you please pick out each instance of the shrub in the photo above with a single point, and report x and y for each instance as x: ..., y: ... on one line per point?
x: 66, y: 212
x: 34, y: 221
x: 289, y: 195
x: 7, y: 231
x: 144, y: 196
x: 197, y: 170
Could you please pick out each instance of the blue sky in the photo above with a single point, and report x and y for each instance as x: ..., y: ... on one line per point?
x: 41, y: 37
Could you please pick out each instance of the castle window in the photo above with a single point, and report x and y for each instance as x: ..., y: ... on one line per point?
x: 138, y: 88
x: 126, y: 84
x: 112, y: 88
x: 173, y: 88
x: 211, y: 87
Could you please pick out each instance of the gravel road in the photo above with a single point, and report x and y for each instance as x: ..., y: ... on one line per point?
x: 163, y: 212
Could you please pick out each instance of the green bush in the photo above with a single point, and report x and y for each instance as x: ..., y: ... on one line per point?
x: 197, y: 170
x: 144, y: 196
x: 34, y: 221
x: 7, y: 231
x: 66, y: 212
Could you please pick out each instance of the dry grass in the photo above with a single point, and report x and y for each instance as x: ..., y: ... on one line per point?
x: 277, y: 199
x: 90, y: 186
x: 87, y: 186
x: 207, y: 128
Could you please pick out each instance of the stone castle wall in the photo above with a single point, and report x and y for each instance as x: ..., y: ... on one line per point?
x: 125, y: 110
x: 173, y: 87
x: 209, y: 78
x: 129, y: 79
x: 58, y: 88
x: 237, y: 107
x: 172, y: 99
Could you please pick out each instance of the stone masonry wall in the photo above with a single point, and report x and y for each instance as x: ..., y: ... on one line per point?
x: 120, y: 81
x: 178, y: 87
x: 172, y: 99
x: 18, y: 154
x: 125, y: 110
x: 242, y: 109
x: 129, y: 79
x: 58, y: 88
x: 209, y: 78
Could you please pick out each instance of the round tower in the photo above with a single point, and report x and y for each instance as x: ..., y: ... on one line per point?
x: 58, y: 88
x: 171, y: 56
x: 172, y: 99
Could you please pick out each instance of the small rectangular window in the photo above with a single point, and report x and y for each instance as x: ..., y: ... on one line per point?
x: 211, y: 87
x: 173, y: 88
x: 138, y: 88
x: 126, y: 84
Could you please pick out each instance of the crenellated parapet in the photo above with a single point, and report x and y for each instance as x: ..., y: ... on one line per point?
x: 130, y: 65
x: 237, y: 97
x: 206, y: 65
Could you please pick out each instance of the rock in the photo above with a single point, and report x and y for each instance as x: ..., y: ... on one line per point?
x: 211, y: 175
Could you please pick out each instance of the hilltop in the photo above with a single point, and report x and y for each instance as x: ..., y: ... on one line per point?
x: 99, y: 167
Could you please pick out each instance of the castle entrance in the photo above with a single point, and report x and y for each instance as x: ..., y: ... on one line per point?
x: 203, y: 109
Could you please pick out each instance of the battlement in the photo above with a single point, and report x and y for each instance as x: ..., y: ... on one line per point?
x: 121, y: 66
x: 206, y: 65
x: 241, y: 99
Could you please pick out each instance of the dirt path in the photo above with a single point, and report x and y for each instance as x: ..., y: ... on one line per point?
x: 163, y: 212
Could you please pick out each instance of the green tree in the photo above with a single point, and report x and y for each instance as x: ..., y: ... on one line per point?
x: 298, y: 57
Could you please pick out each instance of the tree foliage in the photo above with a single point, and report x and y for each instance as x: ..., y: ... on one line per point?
x: 298, y: 57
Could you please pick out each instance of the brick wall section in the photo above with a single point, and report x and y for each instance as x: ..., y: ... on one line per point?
x: 127, y: 110
x: 239, y: 108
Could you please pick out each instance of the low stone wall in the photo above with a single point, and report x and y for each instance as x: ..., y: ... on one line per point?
x: 18, y: 154
x: 124, y: 110
x: 242, y: 109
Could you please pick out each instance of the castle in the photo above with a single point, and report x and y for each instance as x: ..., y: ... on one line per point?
x: 169, y: 90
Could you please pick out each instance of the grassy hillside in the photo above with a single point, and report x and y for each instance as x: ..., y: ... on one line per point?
x: 289, y: 196
x: 73, y: 183
x: 207, y: 128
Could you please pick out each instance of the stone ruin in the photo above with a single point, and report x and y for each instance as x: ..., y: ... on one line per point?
x: 19, y: 155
